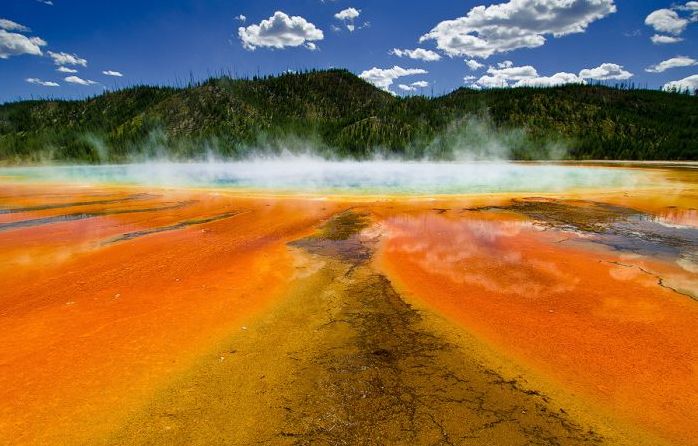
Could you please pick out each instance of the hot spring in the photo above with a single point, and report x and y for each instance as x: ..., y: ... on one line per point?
x: 354, y: 177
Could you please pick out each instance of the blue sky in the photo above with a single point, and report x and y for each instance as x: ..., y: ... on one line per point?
x: 166, y: 42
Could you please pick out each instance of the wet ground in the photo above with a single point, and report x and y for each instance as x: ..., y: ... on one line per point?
x: 173, y: 316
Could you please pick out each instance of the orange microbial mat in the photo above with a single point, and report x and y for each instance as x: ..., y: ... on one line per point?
x: 130, y: 313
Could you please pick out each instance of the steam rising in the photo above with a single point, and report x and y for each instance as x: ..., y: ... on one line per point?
x: 306, y: 174
x: 471, y: 138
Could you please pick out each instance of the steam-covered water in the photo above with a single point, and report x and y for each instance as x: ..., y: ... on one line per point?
x: 370, y: 177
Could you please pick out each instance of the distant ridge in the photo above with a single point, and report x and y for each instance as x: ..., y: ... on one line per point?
x: 336, y: 114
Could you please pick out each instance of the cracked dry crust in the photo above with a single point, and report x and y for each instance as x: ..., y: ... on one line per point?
x: 344, y: 360
x: 385, y: 378
x: 661, y: 281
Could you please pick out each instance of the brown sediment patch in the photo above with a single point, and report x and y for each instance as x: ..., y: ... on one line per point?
x: 608, y: 331
x: 583, y: 215
x: 344, y: 360
x: 86, y: 215
x: 70, y: 204
x: 174, y: 227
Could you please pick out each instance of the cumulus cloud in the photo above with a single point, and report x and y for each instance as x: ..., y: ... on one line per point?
x: 674, y: 62
x: 689, y: 83
x: 241, y: 18
x: 37, y: 81
x: 347, y: 16
x: 384, y: 77
x: 659, y: 39
x: 79, y: 80
x: 413, y: 86
x: 503, y: 77
x: 606, y: 71
x: 666, y: 20
x: 63, y: 69
x: 9, y: 25
x: 505, y: 74
x: 669, y: 21
x: 280, y: 31
x: 551, y: 81
x: 14, y: 44
x: 503, y: 27
x: 691, y: 6
x: 525, y: 76
x: 474, y: 65
x: 67, y: 59
x: 417, y: 54
x: 112, y: 73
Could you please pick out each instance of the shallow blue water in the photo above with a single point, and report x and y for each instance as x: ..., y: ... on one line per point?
x: 370, y: 177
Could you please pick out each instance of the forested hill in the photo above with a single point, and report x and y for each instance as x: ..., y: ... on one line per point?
x: 337, y: 114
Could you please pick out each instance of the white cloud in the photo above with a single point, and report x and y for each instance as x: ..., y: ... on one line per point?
x: 606, y: 71
x: 9, y: 25
x: 79, y: 80
x: 67, y: 59
x: 674, y: 62
x: 46, y: 2
x: 37, y: 81
x: 689, y: 83
x: 474, y: 65
x: 347, y: 16
x: 13, y: 44
x: 502, y: 77
x: 669, y: 21
x: 659, y: 39
x: 413, y: 86
x: 505, y: 64
x: 384, y: 77
x: 63, y: 69
x: 693, y: 7
x: 551, y: 81
x: 418, y: 54
x: 280, y: 31
x: 241, y: 18
x: 469, y: 78
x: 112, y: 73
x: 503, y: 27
x: 666, y: 20
x: 524, y: 76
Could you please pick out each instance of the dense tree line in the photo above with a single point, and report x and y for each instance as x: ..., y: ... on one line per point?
x: 336, y: 114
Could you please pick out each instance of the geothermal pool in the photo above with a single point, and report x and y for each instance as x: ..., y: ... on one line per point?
x: 312, y: 175
x: 300, y: 301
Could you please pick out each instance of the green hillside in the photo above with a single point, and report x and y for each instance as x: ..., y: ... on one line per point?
x: 335, y: 113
